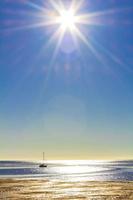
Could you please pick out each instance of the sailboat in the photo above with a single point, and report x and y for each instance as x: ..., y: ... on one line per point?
x: 43, y: 164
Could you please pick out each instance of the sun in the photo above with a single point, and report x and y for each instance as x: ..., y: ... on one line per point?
x: 67, y: 19
x: 62, y: 18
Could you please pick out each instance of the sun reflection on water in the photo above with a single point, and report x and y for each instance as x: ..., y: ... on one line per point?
x: 77, y: 169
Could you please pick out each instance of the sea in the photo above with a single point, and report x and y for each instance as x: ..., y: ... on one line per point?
x: 69, y: 170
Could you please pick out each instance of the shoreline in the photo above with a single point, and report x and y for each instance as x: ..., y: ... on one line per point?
x: 41, y: 188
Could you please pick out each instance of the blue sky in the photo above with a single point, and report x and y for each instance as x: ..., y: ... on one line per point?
x: 76, y: 105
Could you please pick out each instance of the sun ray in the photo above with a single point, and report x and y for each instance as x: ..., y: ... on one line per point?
x: 64, y: 18
x: 109, y: 11
x: 32, y: 26
x: 35, y: 6
x: 68, y: 20
x: 58, y: 6
x: 58, y: 35
x: 89, y: 16
x: 54, y: 37
x: 113, y: 57
x: 76, y: 5
x: 58, y: 44
x: 90, y: 46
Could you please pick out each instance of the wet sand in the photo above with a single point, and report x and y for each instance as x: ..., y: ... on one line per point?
x: 34, y: 189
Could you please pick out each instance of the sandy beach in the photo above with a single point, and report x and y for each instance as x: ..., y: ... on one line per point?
x: 43, y: 189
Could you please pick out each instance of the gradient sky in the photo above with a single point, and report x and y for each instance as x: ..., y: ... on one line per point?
x: 80, y: 104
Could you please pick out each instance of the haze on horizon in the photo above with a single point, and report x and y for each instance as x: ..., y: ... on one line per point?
x: 66, y: 89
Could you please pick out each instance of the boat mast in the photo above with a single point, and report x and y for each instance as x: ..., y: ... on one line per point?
x: 43, y: 156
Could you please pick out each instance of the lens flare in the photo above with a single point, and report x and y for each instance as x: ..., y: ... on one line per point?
x: 58, y: 17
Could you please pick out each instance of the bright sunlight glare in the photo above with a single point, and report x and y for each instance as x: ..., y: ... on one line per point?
x: 67, y: 19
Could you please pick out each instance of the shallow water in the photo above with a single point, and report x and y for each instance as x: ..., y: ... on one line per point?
x: 70, y: 170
